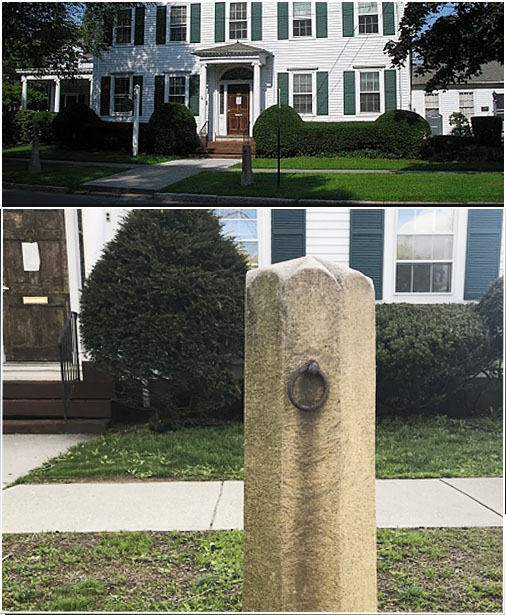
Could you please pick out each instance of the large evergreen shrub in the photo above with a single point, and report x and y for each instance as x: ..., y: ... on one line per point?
x: 404, y: 132
x: 76, y: 127
x: 165, y: 303
x: 265, y: 132
x: 27, y: 123
x: 487, y: 129
x: 491, y: 309
x: 173, y: 130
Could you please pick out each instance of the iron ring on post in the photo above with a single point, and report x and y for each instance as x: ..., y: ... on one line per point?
x: 312, y: 368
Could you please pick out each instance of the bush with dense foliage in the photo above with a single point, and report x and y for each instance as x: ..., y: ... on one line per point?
x: 165, y: 304
x: 265, y: 132
x: 27, y: 123
x: 404, y: 132
x: 460, y: 125
x: 426, y: 353
x: 173, y: 130
x: 448, y: 148
x: 487, y: 130
x: 491, y: 309
x: 37, y: 100
x: 76, y: 127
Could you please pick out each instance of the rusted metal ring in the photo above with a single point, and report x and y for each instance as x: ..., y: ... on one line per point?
x: 311, y: 367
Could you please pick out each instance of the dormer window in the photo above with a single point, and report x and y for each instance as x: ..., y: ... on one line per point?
x: 238, y: 23
x: 124, y: 26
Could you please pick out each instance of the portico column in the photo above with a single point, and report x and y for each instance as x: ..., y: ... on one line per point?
x: 203, y: 96
x: 257, y: 90
x: 57, y: 92
x: 24, y: 92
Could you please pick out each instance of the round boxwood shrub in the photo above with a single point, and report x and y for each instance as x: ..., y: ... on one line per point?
x: 27, y: 123
x: 425, y: 354
x: 173, y: 130
x: 76, y: 127
x: 164, y: 305
x: 405, y: 131
x: 265, y: 132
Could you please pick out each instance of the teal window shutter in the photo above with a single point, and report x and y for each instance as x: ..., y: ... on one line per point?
x: 349, y: 93
x: 348, y: 19
x: 105, y: 96
x: 390, y: 90
x: 283, y: 88
x: 256, y: 21
x: 288, y: 234
x: 322, y: 93
x: 366, y: 245
x: 388, y: 19
x: 219, y: 22
x: 159, y: 91
x: 282, y: 21
x: 484, y: 231
x: 140, y: 12
x: 195, y: 94
x: 138, y: 80
x: 195, y: 23
x: 321, y: 20
x: 161, y: 25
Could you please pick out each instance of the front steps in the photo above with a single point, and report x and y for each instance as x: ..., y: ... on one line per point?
x: 228, y: 147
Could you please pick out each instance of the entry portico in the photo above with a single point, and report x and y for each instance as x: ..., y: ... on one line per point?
x: 231, y: 89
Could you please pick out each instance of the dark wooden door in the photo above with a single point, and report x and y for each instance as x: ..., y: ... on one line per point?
x: 237, y: 109
x: 31, y: 330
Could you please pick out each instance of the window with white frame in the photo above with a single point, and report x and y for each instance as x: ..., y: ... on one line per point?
x: 302, y: 19
x: 238, y: 21
x: 178, y: 23
x: 432, y: 102
x: 177, y: 89
x: 123, y: 34
x: 303, y: 93
x: 242, y: 225
x: 122, y: 94
x: 370, y: 95
x: 466, y: 104
x: 368, y: 18
x: 425, y: 239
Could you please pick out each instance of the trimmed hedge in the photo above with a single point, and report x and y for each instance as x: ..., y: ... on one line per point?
x: 487, y: 130
x: 265, y: 132
x: 76, y: 127
x: 448, y: 148
x: 174, y: 130
x: 26, y: 123
x: 491, y: 308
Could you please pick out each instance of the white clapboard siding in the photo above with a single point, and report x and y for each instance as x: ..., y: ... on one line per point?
x: 328, y: 233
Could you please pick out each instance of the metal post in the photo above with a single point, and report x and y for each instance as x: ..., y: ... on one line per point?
x: 135, y: 132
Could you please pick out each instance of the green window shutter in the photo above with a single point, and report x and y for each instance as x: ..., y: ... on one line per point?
x: 256, y: 21
x: 283, y: 88
x: 390, y: 90
x: 388, y: 19
x: 349, y: 93
x: 366, y: 245
x: 282, y: 21
x: 322, y: 93
x: 321, y: 20
x: 219, y: 22
x: 138, y: 80
x: 288, y: 234
x: 195, y: 23
x: 484, y: 230
x: 161, y: 25
x: 159, y: 91
x: 194, y: 94
x: 140, y: 12
x: 105, y: 96
x: 348, y: 19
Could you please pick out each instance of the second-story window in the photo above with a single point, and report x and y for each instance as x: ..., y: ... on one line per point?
x: 368, y: 18
x: 302, y: 22
x: 124, y: 26
x: 238, y: 20
x: 178, y: 21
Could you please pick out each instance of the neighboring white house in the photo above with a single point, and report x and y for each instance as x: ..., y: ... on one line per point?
x: 481, y: 95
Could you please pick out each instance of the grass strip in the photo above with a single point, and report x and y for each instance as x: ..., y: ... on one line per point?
x: 413, y: 187
x: 431, y: 570
x: 416, y: 447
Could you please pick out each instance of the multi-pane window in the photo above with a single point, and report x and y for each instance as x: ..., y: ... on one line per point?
x: 368, y: 19
x: 122, y: 95
x: 370, y: 92
x: 177, y: 89
x: 178, y: 23
x: 499, y: 105
x: 303, y: 93
x: 238, y: 23
x: 124, y: 26
x: 424, y: 250
x: 432, y: 102
x: 302, y: 22
x: 466, y: 104
x: 241, y: 225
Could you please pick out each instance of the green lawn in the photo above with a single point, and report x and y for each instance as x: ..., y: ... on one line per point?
x: 53, y: 152
x: 349, y: 163
x: 417, y: 187
x: 415, y: 448
x: 67, y: 175
x: 432, y: 570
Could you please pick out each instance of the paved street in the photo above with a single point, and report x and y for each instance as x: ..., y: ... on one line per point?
x: 34, y: 199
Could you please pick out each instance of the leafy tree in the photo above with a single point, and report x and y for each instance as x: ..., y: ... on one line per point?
x: 452, y: 40
x: 460, y: 125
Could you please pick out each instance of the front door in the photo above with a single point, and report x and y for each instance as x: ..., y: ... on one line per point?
x: 36, y: 290
x: 237, y: 109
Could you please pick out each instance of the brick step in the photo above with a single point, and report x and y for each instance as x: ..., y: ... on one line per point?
x: 27, y: 389
x: 232, y: 147
x: 47, y: 426
x: 50, y: 408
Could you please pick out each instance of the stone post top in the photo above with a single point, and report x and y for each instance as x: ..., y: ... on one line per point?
x: 287, y: 269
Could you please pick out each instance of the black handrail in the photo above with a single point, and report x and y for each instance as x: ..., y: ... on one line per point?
x: 246, y: 137
x: 204, y: 133
x: 68, y: 347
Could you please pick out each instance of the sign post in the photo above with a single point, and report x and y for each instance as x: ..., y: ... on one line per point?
x: 135, y: 131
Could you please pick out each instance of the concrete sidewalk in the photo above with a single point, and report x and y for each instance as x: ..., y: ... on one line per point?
x: 164, y: 506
